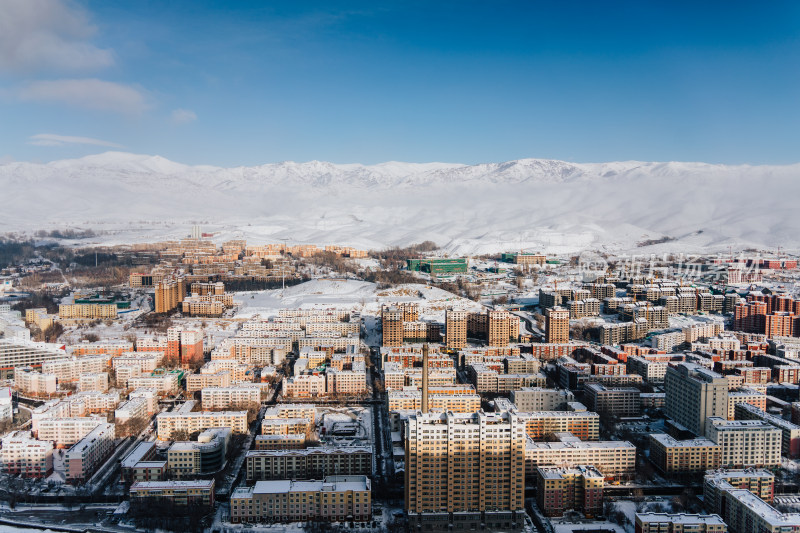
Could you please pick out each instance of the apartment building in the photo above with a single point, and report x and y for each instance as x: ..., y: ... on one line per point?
x: 93, y: 381
x: 496, y: 327
x: 612, y: 401
x: 169, y: 293
x: 744, y: 512
x: 280, y: 442
x: 198, y: 382
x: 560, y: 489
x: 142, y: 452
x: 684, y: 457
x: 144, y: 344
x: 347, y: 382
x: 124, y: 375
x: 556, y: 326
x: 622, y: 332
x: 18, y: 353
x: 309, y: 463
x: 86, y: 455
x: 396, y: 378
x: 456, y: 328
x: 165, y: 382
x: 614, y: 459
x: 65, y: 432
x: 583, y: 308
x: 92, y: 402
x: 759, y: 482
x: 334, y: 499
x: 533, y: 399
x: 291, y: 410
x: 147, y: 361
x: 694, y: 394
x: 745, y: 395
x: 412, y: 400
x: 6, y: 405
x: 790, y: 432
x: 112, y: 348
x: 464, y: 462
x: 745, y: 443
x: 150, y: 395
x: 87, y: 311
x: 186, y: 420
x: 486, y: 379
x: 392, y: 326
x: 71, y: 369
x: 667, y: 342
x: 307, y: 385
x: 286, y: 426
x: 652, y: 371
x: 26, y: 381
x: 208, y: 306
x: 539, y: 425
x: 239, y: 371
x: 138, y: 279
x: 503, y: 327
x: 550, y: 351
x: 214, y: 398
x: 132, y: 409
x: 40, y: 318
x: 25, y: 456
x: 205, y: 456
x: 177, y: 493
x: 679, y: 523
x: 184, y: 345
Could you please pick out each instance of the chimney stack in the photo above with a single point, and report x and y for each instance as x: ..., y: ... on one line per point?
x: 425, y: 378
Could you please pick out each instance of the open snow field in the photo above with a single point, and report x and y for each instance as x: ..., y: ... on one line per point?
x: 361, y: 296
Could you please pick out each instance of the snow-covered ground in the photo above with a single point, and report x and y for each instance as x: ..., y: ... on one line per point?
x: 551, y: 206
x: 361, y: 296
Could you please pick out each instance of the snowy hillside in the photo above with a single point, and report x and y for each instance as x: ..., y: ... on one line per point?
x: 547, y: 205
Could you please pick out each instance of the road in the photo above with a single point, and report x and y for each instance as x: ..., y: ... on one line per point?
x: 236, y: 473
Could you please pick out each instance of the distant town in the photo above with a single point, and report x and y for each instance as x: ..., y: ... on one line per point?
x: 208, y: 385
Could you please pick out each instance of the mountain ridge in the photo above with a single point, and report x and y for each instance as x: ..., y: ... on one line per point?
x: 545, y: 204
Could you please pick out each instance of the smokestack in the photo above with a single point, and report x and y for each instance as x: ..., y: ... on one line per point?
x: 425, y: 378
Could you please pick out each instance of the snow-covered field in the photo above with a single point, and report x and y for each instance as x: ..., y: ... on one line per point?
x: 545, y: 205
x: 361, y: 296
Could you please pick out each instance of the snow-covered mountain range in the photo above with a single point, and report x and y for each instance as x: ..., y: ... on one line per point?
x: 547, y: 205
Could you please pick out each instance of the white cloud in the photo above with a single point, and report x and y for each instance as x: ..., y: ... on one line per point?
x: 183, y: 116
x: 88, y: 93
x: 48, y: 34
x: 51, y: 139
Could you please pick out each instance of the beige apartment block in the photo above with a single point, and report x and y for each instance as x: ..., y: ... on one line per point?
x: 683, y: 457
x: 556, y: 326
x: 214, y: 398
x: 745, y: 443
x: 191, y: 421
x: 392, y: 326
x: 335, y: 498
x: 456, y: 328
x: 464, y: 462
x: 615, y: 459
x: 87, y: 311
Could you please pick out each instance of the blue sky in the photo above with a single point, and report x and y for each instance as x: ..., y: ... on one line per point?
x: 245, y: 83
